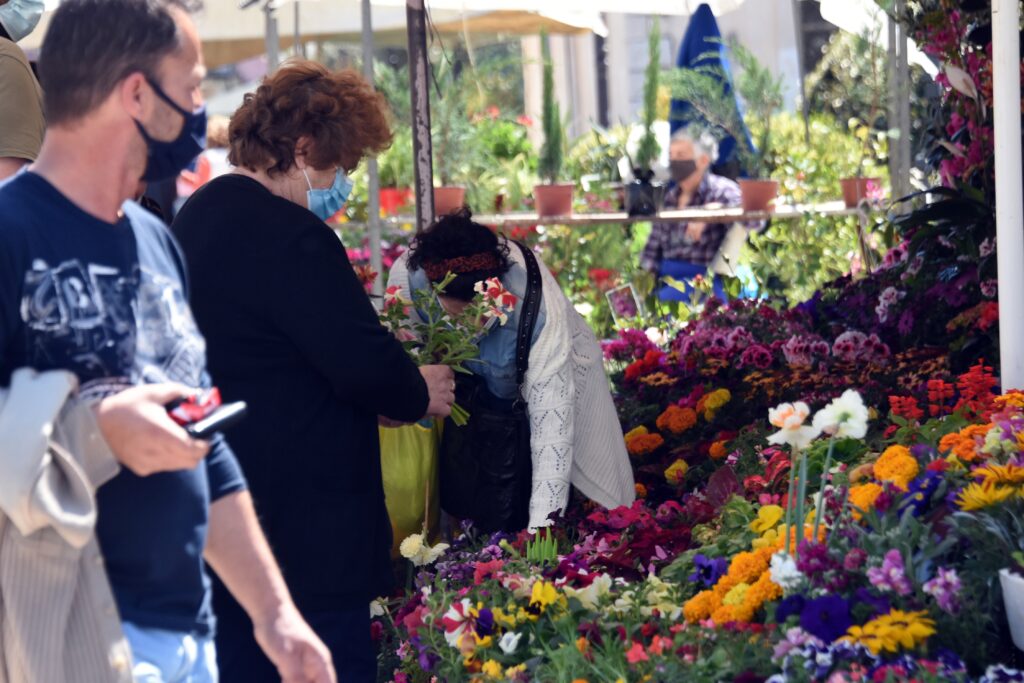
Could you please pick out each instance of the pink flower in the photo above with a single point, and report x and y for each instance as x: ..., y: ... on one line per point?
x: 945, y: 588
x: 636, y: 653
x: 891, y: 576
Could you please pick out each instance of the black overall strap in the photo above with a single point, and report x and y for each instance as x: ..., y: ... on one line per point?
x: 528, y: 316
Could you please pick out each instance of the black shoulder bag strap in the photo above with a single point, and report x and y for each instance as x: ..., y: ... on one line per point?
x: 528, y: 317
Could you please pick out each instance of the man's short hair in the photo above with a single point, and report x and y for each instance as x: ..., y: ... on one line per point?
x: 703, y: 142
x: 92, y: 45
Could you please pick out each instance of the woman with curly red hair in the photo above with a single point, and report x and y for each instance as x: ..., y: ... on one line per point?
x: 291, y: 332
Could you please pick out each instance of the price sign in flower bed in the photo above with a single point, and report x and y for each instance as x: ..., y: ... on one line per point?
x: 436, y: 337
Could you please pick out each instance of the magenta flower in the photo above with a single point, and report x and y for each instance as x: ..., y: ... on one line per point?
x: 945, y: 588
x: 892, y: 575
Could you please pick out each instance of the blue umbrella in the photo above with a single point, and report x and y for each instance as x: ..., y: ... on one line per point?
x: 702, y: 46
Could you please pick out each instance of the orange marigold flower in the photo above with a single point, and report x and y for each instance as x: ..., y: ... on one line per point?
x: 746, y: 567
x: 897, y: 465
x: 718, y: 450
x: 676, y: 420
x: 641, y: 490
x: 642, y: 444
x: 700, y: 606
x: 862, y: 498
x: 966, y: 443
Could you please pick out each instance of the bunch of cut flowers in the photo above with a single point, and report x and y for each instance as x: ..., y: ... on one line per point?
x: 434, y: 336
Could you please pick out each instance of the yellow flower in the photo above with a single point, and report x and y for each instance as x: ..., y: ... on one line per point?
x: 676, y: 472
x: 633, y: 433
x: 767, y: 518
x: 768, y: 539
x: 978, y: 496
x: 543, y: 594
x: 897, y: 465
x: 711, y: 403
x: 893, y: 631
x: 736, y: 596
x: 1000, y: 474
x: 492, y: 670
x: 513, y: 671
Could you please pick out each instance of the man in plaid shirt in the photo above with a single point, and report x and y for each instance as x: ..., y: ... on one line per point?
x: 685, y: 250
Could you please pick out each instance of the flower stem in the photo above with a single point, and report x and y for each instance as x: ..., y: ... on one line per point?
x: 819, y: 513
x: 459, y: 415
x: 800, y: 498
x: 795, y: 453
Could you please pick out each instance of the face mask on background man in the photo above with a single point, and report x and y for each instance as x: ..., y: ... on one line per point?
x: 20, y: 17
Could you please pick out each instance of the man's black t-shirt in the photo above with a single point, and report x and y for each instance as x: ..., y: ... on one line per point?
x: 108, y: 303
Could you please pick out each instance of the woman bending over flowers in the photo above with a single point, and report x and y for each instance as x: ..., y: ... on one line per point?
x: 575, y: 437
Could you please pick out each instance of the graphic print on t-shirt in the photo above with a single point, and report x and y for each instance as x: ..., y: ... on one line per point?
x: 98, y: 321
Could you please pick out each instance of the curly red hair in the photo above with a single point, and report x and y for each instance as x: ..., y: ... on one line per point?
x: 343, y: 116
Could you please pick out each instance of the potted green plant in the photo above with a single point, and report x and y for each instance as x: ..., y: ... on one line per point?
x: 643, y: 196
x: 551, y: 197
x: 707, y: 88
x: 396, y: 172
x: 454, y: 142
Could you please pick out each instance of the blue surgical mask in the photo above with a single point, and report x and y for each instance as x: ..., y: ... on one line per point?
x: 168, y: 159
x: 327, y: 202
x: 20, y: 17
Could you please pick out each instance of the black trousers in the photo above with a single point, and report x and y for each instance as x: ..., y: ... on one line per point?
x: 346, y: 634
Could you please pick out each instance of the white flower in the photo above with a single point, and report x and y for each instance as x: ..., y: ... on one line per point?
x: 589, y: 596
x: 656, y: 336
x: 376, y: 608
x: 846, y: 416
x: 784, y: 573
x: 509, y: 642
x: 455, y: 621
x: 419, y: 552
x: 789, y: 418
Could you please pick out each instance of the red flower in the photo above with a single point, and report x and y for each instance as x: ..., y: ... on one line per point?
x: 524, y: 120
x: 484, y: 570
x: 636, y: 654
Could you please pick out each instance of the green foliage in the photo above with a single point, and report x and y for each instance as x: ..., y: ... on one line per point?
x: 762, y: 93
x: 395, y: 163
x: 542, y: 548
x: 597, y: 154
x: 648, y: 148
x: 793, y: 259
x: 707, y: 88
x: 551, y: 153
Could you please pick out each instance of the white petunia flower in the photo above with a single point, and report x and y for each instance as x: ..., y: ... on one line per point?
x: 509, y: 642
x: 846, y: 416
x: 784, y: 573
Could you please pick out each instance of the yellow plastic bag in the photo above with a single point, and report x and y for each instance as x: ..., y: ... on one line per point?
x: 409, y: 462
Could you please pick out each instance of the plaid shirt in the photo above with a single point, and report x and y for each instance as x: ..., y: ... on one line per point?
x: 669, y: 240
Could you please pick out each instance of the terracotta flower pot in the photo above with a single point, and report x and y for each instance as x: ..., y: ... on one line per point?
x: 448, y: 199
x: 855, y: 190
x: 554, y: 200
x: 392, y: 199
x: 1013, y: 598
x: 758, y: 195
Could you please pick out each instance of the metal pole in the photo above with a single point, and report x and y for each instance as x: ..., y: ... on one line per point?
x: 895, y: 95
x: 805, y: 106
x: 903, y: 72
x: 372, y: 177
x: 298, y: 47
x: 1009, y: 201
x: 419, y: 86
x: 270, y: 25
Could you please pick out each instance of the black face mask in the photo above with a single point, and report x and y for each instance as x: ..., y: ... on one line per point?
x: 681, y: 169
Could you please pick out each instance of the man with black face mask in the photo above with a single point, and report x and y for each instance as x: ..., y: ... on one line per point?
x: 21, y: 101
x: 684, y: 250
x: 92, y: 284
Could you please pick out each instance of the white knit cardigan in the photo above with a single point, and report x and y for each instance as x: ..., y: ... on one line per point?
x: 575, y: 437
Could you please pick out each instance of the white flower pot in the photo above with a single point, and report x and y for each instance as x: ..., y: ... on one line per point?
x: 1013, y: 598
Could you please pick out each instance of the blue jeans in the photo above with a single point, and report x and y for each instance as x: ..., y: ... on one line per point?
x: 683, y: 271
x: 160, y: 656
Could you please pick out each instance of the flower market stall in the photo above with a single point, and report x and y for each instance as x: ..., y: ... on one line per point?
x: 827, y: 491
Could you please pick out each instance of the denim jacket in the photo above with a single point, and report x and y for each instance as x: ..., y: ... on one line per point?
x: 497, y: 361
